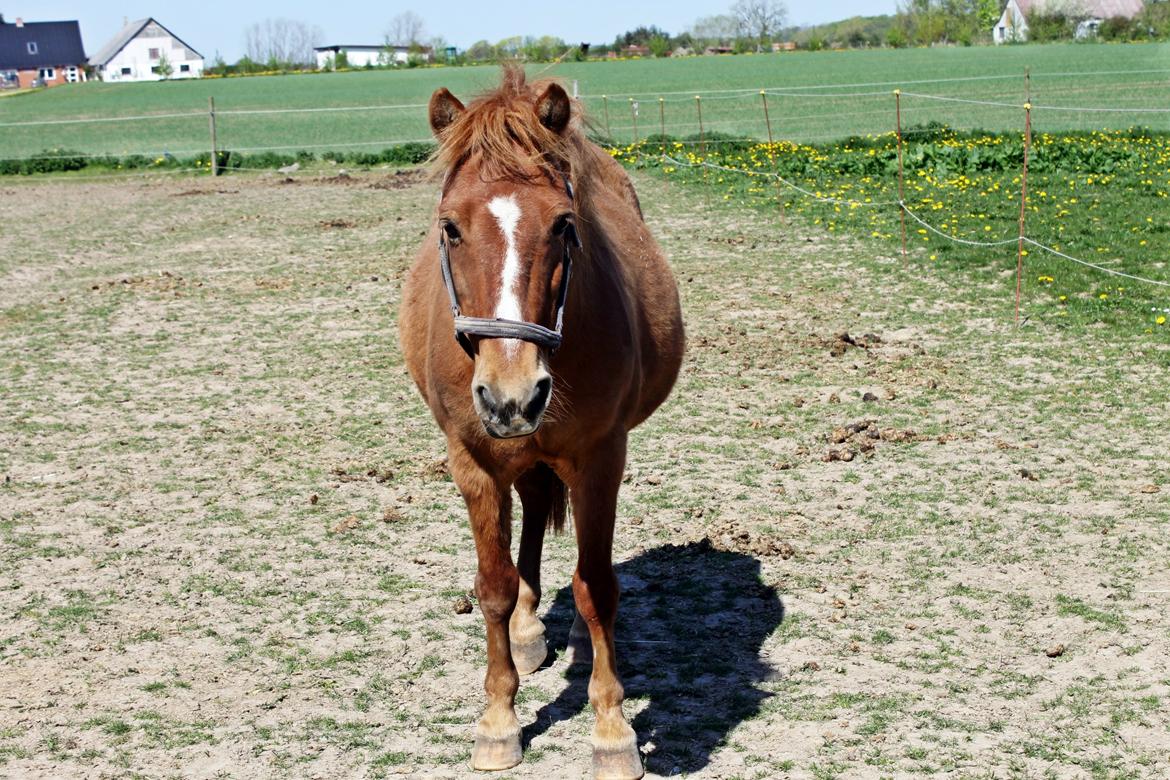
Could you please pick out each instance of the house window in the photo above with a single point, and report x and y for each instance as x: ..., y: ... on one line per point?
x: 184, y: 68
x: 47, y: 74
x: 125, y: 71
x: 71, y: 74
x: 32, y: 47
x: 154, y: 68
x: 154, y: 54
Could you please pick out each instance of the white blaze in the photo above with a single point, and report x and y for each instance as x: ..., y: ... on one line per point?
x: 507, y: 213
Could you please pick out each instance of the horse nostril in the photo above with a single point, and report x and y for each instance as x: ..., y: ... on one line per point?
x: 539, y: 400
x: 485, y: 397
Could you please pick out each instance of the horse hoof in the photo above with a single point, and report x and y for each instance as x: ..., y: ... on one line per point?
x: 492, y: 754
x: 529, y: 656
x: 579, y: 651
x: 579, y: 648
x: 620, y: 764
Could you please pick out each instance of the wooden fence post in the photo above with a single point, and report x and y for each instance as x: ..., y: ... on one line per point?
x: 772, y: 154
x: 662, y: 123
x: 211, y: 121
x: 699, y: 108
x: 901, y: 175
x: 1023, y: 205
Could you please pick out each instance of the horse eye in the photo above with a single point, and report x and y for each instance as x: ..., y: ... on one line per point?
x: 562, y: 225
x: 452, y: 232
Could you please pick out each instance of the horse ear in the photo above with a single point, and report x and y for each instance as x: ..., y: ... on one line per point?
x: 554, y: 109
x: 444, y: 109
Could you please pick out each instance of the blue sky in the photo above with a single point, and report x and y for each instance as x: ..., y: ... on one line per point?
x: 214, y: 25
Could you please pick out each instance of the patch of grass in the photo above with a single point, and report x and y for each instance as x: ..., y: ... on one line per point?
x: 1068, y: 605
x: 76, y: 613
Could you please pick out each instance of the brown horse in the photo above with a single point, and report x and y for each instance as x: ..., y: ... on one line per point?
x: 527, y: 205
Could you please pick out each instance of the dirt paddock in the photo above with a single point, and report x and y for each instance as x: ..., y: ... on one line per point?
x: 876, y: 532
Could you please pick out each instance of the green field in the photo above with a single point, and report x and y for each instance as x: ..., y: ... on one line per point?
x: 1124, y: 77
x: 1099, y: 197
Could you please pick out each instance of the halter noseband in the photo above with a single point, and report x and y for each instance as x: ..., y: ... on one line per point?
x: 498, y: 328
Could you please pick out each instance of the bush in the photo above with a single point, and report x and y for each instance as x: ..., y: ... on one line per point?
x: 1050, y: 27
x: 57, y: 160
x: 48, y: 161
x: 724, y: 141
x: 265, y: 160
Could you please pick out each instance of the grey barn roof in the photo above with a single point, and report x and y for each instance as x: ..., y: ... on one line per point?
x: 364, y: 46
x: 1103, y: 9
x: 57, y: 44
x: 127, y: 34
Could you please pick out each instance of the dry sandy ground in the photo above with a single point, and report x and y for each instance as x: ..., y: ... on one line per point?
x: 228, y: 546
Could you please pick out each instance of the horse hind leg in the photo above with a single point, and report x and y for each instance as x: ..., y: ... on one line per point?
x: 543, y: 496
x: 579, y: 648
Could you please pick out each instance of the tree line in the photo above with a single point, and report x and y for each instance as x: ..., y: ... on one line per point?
x: 968, y: 22
x: 288, y: 45
x: 747, y: 26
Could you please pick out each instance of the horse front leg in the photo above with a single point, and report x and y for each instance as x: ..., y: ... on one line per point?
x: 594, y: 490
x: 489, y: 507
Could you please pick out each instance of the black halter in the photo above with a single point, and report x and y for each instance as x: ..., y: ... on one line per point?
x: 496, y: 328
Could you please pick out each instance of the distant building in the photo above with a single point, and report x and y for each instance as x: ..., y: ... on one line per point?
x: 142, y: 51
x: 40, y: 54
x: 633, y: 50
x: 1012, y: 26
x: 360, y: 56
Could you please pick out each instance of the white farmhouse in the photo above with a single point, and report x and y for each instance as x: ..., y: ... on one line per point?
x: 143, y: 51
x: 364, y: 56
x: 1012, y: 26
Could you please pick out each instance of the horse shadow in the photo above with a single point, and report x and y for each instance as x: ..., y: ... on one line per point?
x: 691, y: 626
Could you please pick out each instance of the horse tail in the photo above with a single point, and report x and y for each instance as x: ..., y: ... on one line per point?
x: 558, y: 507
x: 545, y: 497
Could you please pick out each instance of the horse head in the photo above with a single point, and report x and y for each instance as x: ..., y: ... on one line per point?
x: 506, y: 229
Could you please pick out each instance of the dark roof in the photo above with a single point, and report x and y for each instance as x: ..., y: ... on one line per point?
x: 361, y: 47
x: 57, y: 44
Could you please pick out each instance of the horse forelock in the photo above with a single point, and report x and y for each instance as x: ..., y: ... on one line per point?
x: 501, y: 136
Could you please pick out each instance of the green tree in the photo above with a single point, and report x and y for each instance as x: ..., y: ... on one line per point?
x: 715, y: 30
x: 509, y: 47
x: 543, y: 49
x: 164, y: 67
x: 639, y: 36
x: 659, y: 45
x: 989, y: 12
x: 481, y: 51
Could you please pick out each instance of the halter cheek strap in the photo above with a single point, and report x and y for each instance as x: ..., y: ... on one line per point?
x: 499, y: 328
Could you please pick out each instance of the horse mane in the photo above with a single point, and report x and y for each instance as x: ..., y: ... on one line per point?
x: 500, y: 131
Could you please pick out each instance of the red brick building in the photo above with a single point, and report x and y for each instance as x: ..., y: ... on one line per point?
x: 40, y: 54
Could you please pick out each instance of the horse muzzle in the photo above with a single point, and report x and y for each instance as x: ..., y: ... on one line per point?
x: 509, y: 415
